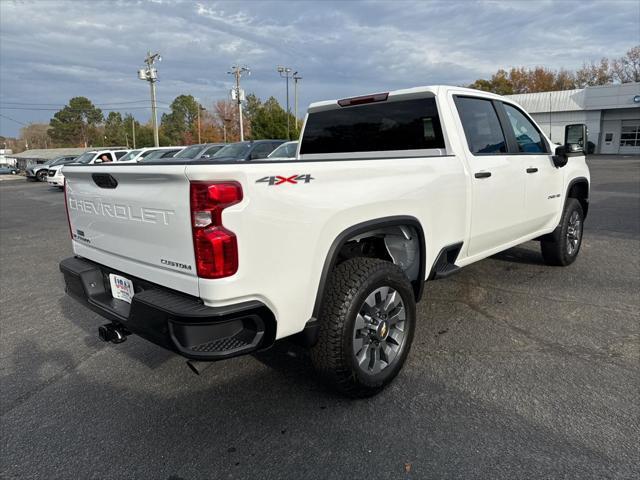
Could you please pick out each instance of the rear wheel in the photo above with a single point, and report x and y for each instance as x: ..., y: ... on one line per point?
x: 563, y: 245
x: 366, y: 326
x: 41, y: 175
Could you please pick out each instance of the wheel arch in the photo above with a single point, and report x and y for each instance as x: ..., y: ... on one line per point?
x: 578, y: 188
x: 331, y: 258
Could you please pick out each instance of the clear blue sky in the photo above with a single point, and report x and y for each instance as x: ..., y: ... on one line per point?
x: 51, y: 51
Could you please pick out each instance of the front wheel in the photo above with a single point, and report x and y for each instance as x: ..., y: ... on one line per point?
x: 562, y: 246
x: 42, y: 176
x: 367, y: 323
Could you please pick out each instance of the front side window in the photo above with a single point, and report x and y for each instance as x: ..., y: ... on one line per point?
x: 234, y: 150
x: 481, y: 126
x: 527, y: 135
x: 212, y: 150
x: 385, y: 126
x: 262, y: 150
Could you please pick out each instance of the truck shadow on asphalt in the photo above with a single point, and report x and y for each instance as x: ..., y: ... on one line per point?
x: 522, y: 255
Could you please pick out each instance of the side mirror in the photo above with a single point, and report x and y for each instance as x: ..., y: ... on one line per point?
x: 575, y: 142
x: 575, y: 138
x: 97, y: 160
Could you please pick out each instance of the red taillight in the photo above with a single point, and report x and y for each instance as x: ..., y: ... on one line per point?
x: 215, y: 247
x: 66, y: 206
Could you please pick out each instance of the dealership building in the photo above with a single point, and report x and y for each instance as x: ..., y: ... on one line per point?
x: 611, y: 113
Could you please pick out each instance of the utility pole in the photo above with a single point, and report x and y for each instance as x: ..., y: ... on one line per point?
x: 237, y: 94
x: 285, y: 72
x: 133, y: 128
x: 199, y: 140
x: 150, y: 74
x: 296, y: 77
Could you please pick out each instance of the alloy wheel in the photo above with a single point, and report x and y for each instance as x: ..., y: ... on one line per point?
x: 379, y: 333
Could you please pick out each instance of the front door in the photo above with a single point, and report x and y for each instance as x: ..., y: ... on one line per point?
x: 497, y: 179
x: 543, y: 181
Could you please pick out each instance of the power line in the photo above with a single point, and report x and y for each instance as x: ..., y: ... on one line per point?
x: 14, y: 120
x: 96, y: 104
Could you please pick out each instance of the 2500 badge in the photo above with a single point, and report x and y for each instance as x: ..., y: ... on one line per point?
x: 280, y: 180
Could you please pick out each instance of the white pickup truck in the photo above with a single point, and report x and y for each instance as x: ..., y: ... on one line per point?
x: 332, y: 248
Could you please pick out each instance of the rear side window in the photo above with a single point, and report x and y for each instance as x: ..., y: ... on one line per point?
x: 402, y: 125
x: 119, y: 155
x: 527, y: 135
x: 481, y: 126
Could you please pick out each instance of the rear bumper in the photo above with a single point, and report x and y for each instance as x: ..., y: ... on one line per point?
x: 172, y: 320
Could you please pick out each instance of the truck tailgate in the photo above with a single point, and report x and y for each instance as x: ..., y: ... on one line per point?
x: 135, y: 219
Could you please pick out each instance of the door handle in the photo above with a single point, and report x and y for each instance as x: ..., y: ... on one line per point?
x: 482, y: 175
x: 532, y: 170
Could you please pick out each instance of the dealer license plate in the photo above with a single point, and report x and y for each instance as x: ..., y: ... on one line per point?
x: 121, y: 287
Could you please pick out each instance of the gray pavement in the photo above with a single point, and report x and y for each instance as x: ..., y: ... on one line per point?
x: 518, y: 370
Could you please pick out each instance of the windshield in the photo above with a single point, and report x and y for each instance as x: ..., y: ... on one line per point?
x: 63, y: 160
x: 286, y: 150
x: 235, y: 150
x: 85, y: 157
x: 129, y: 156
x: 189, y: 152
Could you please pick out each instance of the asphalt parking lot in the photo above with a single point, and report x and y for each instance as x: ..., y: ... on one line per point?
x: 518, y: 370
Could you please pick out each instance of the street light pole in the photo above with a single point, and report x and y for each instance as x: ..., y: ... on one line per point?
x: 199, y: 139
x: 296, y: 77
x: 285, y: 72
x: 237, y: 71
x: 150, y: 74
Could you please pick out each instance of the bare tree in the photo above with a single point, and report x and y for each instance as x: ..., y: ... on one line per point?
x: 36, y: 135
x: 627, y: 69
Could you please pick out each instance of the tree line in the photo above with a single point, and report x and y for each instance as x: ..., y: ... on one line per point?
x: 81, y: 123
x: 541, y: 79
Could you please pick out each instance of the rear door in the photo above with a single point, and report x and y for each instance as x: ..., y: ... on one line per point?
x: 135, y: 219
x: 543, y: 181
x: 497, y: 180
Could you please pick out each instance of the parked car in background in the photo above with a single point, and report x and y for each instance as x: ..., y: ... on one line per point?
x: 38, y: 172
x: 160, y: 155
x: 250, y: 150
x: 55, y: 176
x: 286, y: 150
x: 8, y: 170
x: 137, y: 155
x: 201, y: 151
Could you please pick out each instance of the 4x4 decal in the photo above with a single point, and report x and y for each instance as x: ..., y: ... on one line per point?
x: 279, y: 179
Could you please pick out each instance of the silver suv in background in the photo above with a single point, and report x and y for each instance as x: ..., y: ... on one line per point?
x: 38, y: 172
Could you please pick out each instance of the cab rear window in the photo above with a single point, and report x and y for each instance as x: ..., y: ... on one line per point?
x: 385, y: 126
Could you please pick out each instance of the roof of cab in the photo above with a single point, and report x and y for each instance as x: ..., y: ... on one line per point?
x: 414, y: 91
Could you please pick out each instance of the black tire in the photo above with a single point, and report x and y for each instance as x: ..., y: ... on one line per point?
x: 350, y: 284
x: 556, y: 247
x: 41, y: 175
